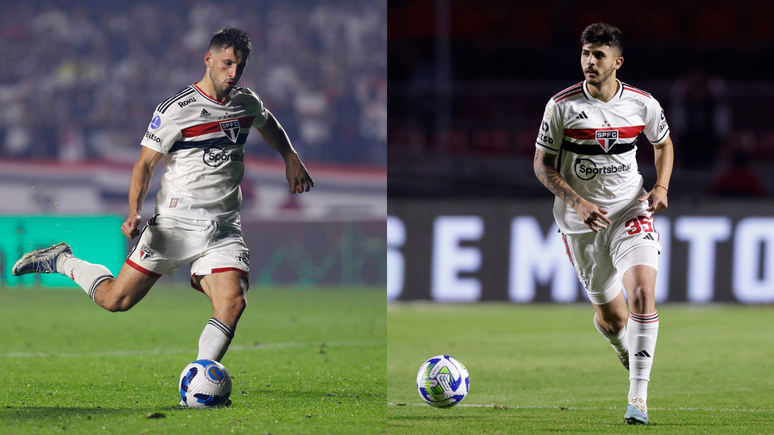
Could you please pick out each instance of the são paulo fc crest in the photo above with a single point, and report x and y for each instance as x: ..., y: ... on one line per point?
x: 146, y: 251
x: 606, y: 138
x: 231, y: 128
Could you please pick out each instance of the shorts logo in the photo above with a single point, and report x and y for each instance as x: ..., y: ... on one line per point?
x: 155, y: 122
x: 606, y: 138
x: 214, y: 157
x: 231, y: 129
x: 244, y: 258
x: 146, y: 251
x: 586, y: 169
x: 173, y: 203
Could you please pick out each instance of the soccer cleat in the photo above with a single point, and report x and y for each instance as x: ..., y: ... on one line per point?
x: 636, y: 412
x: 624, y: 359
x: 41, y: 260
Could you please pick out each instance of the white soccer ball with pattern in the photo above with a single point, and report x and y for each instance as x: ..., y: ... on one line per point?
x: 204, y: 384
x: 443, y: 381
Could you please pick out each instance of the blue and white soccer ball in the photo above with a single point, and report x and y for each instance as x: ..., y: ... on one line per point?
x: 443, y: 381
x: 204, y: 384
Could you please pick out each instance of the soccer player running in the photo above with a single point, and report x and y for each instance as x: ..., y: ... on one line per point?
x: 200, y: 134
x: 586, y: 156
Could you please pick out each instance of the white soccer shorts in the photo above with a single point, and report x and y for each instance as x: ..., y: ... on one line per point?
x: 601, y: 259
x: 169, y: 242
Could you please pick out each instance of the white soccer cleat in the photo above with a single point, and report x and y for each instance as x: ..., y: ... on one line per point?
x: 41, y: 260
x: 636, y: 411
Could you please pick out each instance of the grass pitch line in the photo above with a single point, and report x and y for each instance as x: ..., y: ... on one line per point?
x: 178, y: 351
x: 587, y: 408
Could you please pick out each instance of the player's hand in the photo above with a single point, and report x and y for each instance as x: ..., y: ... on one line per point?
x: 657, y: 199
x: 592, y: 215
x: 131, y: 226
x: 297, y: 175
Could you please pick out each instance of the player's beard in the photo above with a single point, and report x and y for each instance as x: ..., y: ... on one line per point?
x: 220, y: 86
x: 601, y: 79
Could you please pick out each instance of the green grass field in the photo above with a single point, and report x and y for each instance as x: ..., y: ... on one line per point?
x: 545, y: 369
x: 302, y: 361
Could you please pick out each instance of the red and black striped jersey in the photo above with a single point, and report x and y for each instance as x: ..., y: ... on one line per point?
x: 203, y: 145
x: 596, y: 145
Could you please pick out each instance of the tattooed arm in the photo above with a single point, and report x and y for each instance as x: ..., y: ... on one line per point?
x: 589, y: 213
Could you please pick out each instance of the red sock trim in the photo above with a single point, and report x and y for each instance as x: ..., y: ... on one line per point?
x: 644, y: 318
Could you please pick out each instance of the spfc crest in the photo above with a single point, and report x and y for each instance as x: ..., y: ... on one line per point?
x: 606, y: 138
x: 146, y: 251
x: 231, y: 129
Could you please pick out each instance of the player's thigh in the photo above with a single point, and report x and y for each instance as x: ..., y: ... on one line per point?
x: 130, y: 283
x: 593, y: 265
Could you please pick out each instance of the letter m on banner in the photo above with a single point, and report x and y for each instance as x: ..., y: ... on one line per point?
x: 539, y: 259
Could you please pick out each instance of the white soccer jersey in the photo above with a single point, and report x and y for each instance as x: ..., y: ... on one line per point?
x: 596, y: 146
x: 203, y: 145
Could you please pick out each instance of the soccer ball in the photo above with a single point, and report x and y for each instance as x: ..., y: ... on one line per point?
x: 204, y: 384
x: 443, y: 381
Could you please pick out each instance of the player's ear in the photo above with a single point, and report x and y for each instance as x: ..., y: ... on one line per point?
x: 618, y: 62
x: 208, y: 59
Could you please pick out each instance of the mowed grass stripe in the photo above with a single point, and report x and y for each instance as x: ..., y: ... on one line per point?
x: 495, y: 406
x: 190, y: 350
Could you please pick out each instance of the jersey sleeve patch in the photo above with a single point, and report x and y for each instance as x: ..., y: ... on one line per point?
x: 551, y: 132
x: 161, y: 134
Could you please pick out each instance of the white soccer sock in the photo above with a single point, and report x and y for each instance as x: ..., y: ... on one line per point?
x: 618, y: 341
x: 214, y: 341
x: 87, y: 275
x: 643, y: 333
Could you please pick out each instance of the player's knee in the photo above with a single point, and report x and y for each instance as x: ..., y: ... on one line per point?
x: 614, y: 322
x: 641, y: 296
x: 118, y: 303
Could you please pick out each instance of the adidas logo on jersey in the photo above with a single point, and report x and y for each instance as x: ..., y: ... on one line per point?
x: 582, y: 115
x: 204, y: 114
x: 649, y: 237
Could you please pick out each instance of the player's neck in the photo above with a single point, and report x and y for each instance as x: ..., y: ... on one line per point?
x: 206, y: 86
x: 605, y: 91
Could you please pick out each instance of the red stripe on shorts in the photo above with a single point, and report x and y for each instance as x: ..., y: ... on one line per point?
x: 142, y: 269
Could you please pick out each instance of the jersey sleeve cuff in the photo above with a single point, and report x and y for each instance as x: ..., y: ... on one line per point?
x: 546, y: 149
x: 152, y: 145
x: 661, y: 139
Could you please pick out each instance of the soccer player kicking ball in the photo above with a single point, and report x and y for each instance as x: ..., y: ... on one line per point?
x: 200, y: 133
x: 586, y: 156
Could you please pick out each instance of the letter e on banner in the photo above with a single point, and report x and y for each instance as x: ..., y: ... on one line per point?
x: 449, y: 258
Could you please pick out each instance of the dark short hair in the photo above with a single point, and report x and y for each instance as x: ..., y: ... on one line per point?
x: 231, y: 37
x: 603, y: 33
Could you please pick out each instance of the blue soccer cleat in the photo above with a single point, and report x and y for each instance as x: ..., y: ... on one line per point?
x: 41, y: 260
x: 636, y: 412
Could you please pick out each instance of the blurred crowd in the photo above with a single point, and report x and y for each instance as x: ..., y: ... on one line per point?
x: 80, y: 83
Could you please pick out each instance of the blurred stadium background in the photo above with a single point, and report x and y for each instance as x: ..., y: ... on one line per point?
x: 82, y: 80
x: 468, y: 83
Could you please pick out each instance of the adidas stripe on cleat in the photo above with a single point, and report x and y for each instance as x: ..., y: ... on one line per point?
x: 41, y: 260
